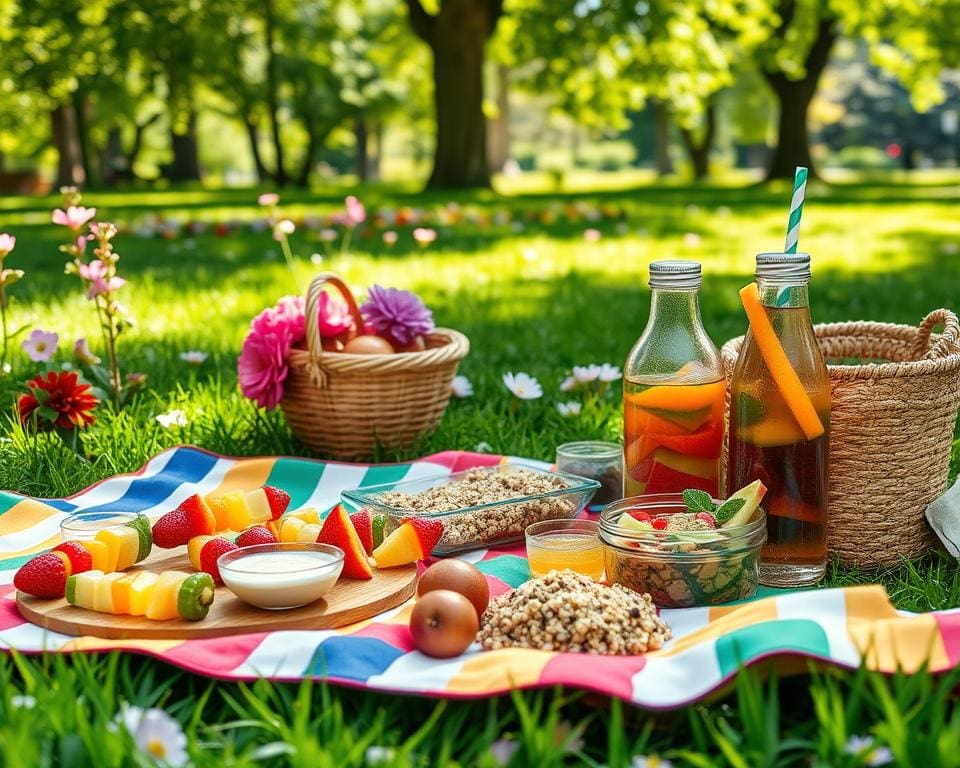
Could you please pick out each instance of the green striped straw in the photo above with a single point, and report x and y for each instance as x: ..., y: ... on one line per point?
x: 793, y: 224
x: 796, y: 209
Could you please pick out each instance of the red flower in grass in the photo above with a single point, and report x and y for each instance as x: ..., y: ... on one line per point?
x: 59, y: 399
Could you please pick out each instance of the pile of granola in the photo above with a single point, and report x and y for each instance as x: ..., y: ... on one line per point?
x: 567, y: 611
x: 484, y: 527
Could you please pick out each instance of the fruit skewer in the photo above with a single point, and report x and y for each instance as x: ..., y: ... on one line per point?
x: 233, y: 511
x: 158, y: 596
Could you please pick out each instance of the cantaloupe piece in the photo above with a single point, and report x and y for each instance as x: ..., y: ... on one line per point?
x: 238, y: 514
x: 290, y: 528
x: 219, y: 509
x: 141, y: 590
x: 99, y: 553
x: 782, y: 373
x: 121, y: 592
x: 399, y: 548
x: 163, y: 602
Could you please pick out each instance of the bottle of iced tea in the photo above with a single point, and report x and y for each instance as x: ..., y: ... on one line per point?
x: 780, y: 420
x: 673, y: 391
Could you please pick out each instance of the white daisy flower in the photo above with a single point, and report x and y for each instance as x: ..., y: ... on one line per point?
x: 462, y: 386
x: 174, y: 418
x: 863, y: 746
x: 571, y: 408
x: 377, y: 755
x: 193, y: 356
x: 583, y: 374
x: 502, y: 750
x: 156, y: 734
x: 609, y: 373
x: 568, y: 384
x: 650, y: 761
x: 523, y: 385
x: 22, y: 701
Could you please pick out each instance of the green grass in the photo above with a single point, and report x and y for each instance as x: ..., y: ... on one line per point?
x: 540, y: 300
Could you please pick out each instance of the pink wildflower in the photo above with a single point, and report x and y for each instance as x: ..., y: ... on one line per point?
x: 424, y: 236
x: 40, y: 345
x: 95, y: 273
x: 390, y: 237
x: 268, y: 199
x: 74, y: 217
x: 356, y: 214
x: 7, y: 243
x: 592, y: 235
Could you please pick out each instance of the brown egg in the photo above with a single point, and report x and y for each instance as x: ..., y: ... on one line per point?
x: 457, y: 576
x: 417, y: 345
x: 368, y: 345
x: 443, y: 624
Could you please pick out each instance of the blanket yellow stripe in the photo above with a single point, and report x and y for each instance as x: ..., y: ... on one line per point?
x: 23, y: 515
x: 51, y: 542
x: 246, y: 474
x: 98, y: 644
x: 510, y: 667
x: 724, y: 619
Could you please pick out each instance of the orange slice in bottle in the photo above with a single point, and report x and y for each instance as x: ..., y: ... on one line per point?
x: 782, y: 373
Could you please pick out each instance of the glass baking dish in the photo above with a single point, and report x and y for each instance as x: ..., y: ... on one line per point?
x: 480, y: 525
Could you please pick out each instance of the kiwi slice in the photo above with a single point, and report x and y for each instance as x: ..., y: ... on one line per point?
x: 142, y: 526
x: 71, y: 590
x: 195, y: 596
x: 378, y: 525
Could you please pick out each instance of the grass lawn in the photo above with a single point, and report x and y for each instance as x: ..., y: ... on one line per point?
x: 534, y: 295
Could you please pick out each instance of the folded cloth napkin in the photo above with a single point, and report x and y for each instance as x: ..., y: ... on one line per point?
x: 943, y: 514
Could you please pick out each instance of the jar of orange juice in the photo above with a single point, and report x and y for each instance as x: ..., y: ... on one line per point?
x: 673, y: 391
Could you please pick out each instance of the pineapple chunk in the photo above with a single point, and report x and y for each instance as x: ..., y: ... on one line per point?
x: 290, y: 527
x: 307, y: 514
x: 141, y: 590
x: 86, y: 586
x: 258, y: 506
x: 163, y: 603
x: 103, y: 593
x: 238, y: 514
x: 308, y: 532
x: 99, y: 553
x: 219, y: 509
x: 193, y: 549
x: 123, y: 544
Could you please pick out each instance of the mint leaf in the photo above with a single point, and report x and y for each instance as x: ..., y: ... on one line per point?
x: 697, y: 501
x: 728, y: 509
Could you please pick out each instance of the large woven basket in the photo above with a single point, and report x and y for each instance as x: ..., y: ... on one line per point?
x: 345, y: 406
x: 893, y: 412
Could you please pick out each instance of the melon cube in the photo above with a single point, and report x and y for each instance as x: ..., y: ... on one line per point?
x: 308, y: 533
x: 123, y: 544
x: 99, y: 553
x: 86, y: 585
x: 307, y: 514
x: 290, y: 528
x: 163, y: 602
x: 219, y: 509
x: 238, y: 514
x: 141, y: 590
x: 103, y: 593
x: 258, y: 506
x: 121, y: 592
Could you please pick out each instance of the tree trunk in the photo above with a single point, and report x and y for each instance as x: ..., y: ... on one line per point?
x: 457, y: 36
x: 253, y: 135
x: 81, y: 111
x: 315, y: 139
x: 185, y: 165
x: 699, y: 149
x: 362, y: 160
x: 64, y: 130
x: 139, y: 130
x: 273, y: 95
x: 661, y: 138
x: 3, y: 161
x: 113, y: 161
x: 794, y: 97
x: 498, y: 138
x: 377, y: 151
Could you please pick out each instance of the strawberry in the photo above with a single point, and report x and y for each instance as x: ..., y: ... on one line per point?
x: 42, y: 576
x: 278, y: 500
x: 643, y: 517
x: 77, y: 554
x: 707, y: 518
x: 256, y: 534
x: 364, y: 525
x: 192, y: 518
x: 659, y: 523
x: 209, y: 554
x: 339, y: 531
x: 428, y: 531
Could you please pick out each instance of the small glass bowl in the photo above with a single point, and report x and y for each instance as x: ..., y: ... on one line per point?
x: 680, y: 569
x: 84, y: 526
x: 558, y: 544
x: 281, y: 575
x: 595, y: 460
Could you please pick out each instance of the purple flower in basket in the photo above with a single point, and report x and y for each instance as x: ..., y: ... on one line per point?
x: 397, y: 314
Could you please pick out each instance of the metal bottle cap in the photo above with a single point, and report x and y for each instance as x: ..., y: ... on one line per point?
x: 783, y: 267
x: 675, y: 275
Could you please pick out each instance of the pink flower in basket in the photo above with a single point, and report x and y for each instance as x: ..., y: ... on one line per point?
x: 334, y: 316
x: 262, y: 367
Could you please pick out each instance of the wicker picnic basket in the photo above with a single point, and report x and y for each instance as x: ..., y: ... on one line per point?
x: 893, y: 413
x: 346, y: 405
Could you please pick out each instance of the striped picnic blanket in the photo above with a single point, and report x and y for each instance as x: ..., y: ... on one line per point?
x: 842, y: 626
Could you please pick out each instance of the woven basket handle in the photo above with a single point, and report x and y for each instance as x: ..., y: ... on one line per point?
x: 922, y: 350
x: 314, y: 341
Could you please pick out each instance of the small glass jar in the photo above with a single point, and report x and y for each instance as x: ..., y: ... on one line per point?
x: 681, y: 569
x: 84, y: 526
x: 555, y: 545
x: 595, y: 460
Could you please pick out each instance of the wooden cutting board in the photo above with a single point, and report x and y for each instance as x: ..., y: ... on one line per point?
x: 348, y: 602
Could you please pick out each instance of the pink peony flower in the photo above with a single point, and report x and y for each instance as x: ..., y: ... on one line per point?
x: 7, y: 243
x: 40, y: 345
x: 95, y: 273
x: 424, y: 236
x: 286, y: 317
x: 262, y: 367
x: 74, y: 217
x: 398, y: 314
x: 268, y: 199
x: 356, y: 213
x: 334, y: 315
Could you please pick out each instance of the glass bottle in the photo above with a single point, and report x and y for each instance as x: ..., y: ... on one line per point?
x: 673, y: 391
x: 780, y: 423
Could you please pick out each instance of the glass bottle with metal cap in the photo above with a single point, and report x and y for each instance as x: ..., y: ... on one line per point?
x: 780, y: 420
x: 673, y: 391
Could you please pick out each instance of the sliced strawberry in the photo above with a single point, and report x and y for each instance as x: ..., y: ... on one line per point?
x: 363, y: 522
x: 77, y: 554
x: 192, y: 518
x: 278, y: 500
x: 256, y: 534
x: 199, y: 516
x: 339, y: 531
x: 428, y: 531
x: 42, y: 576
x: 209, y: 554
